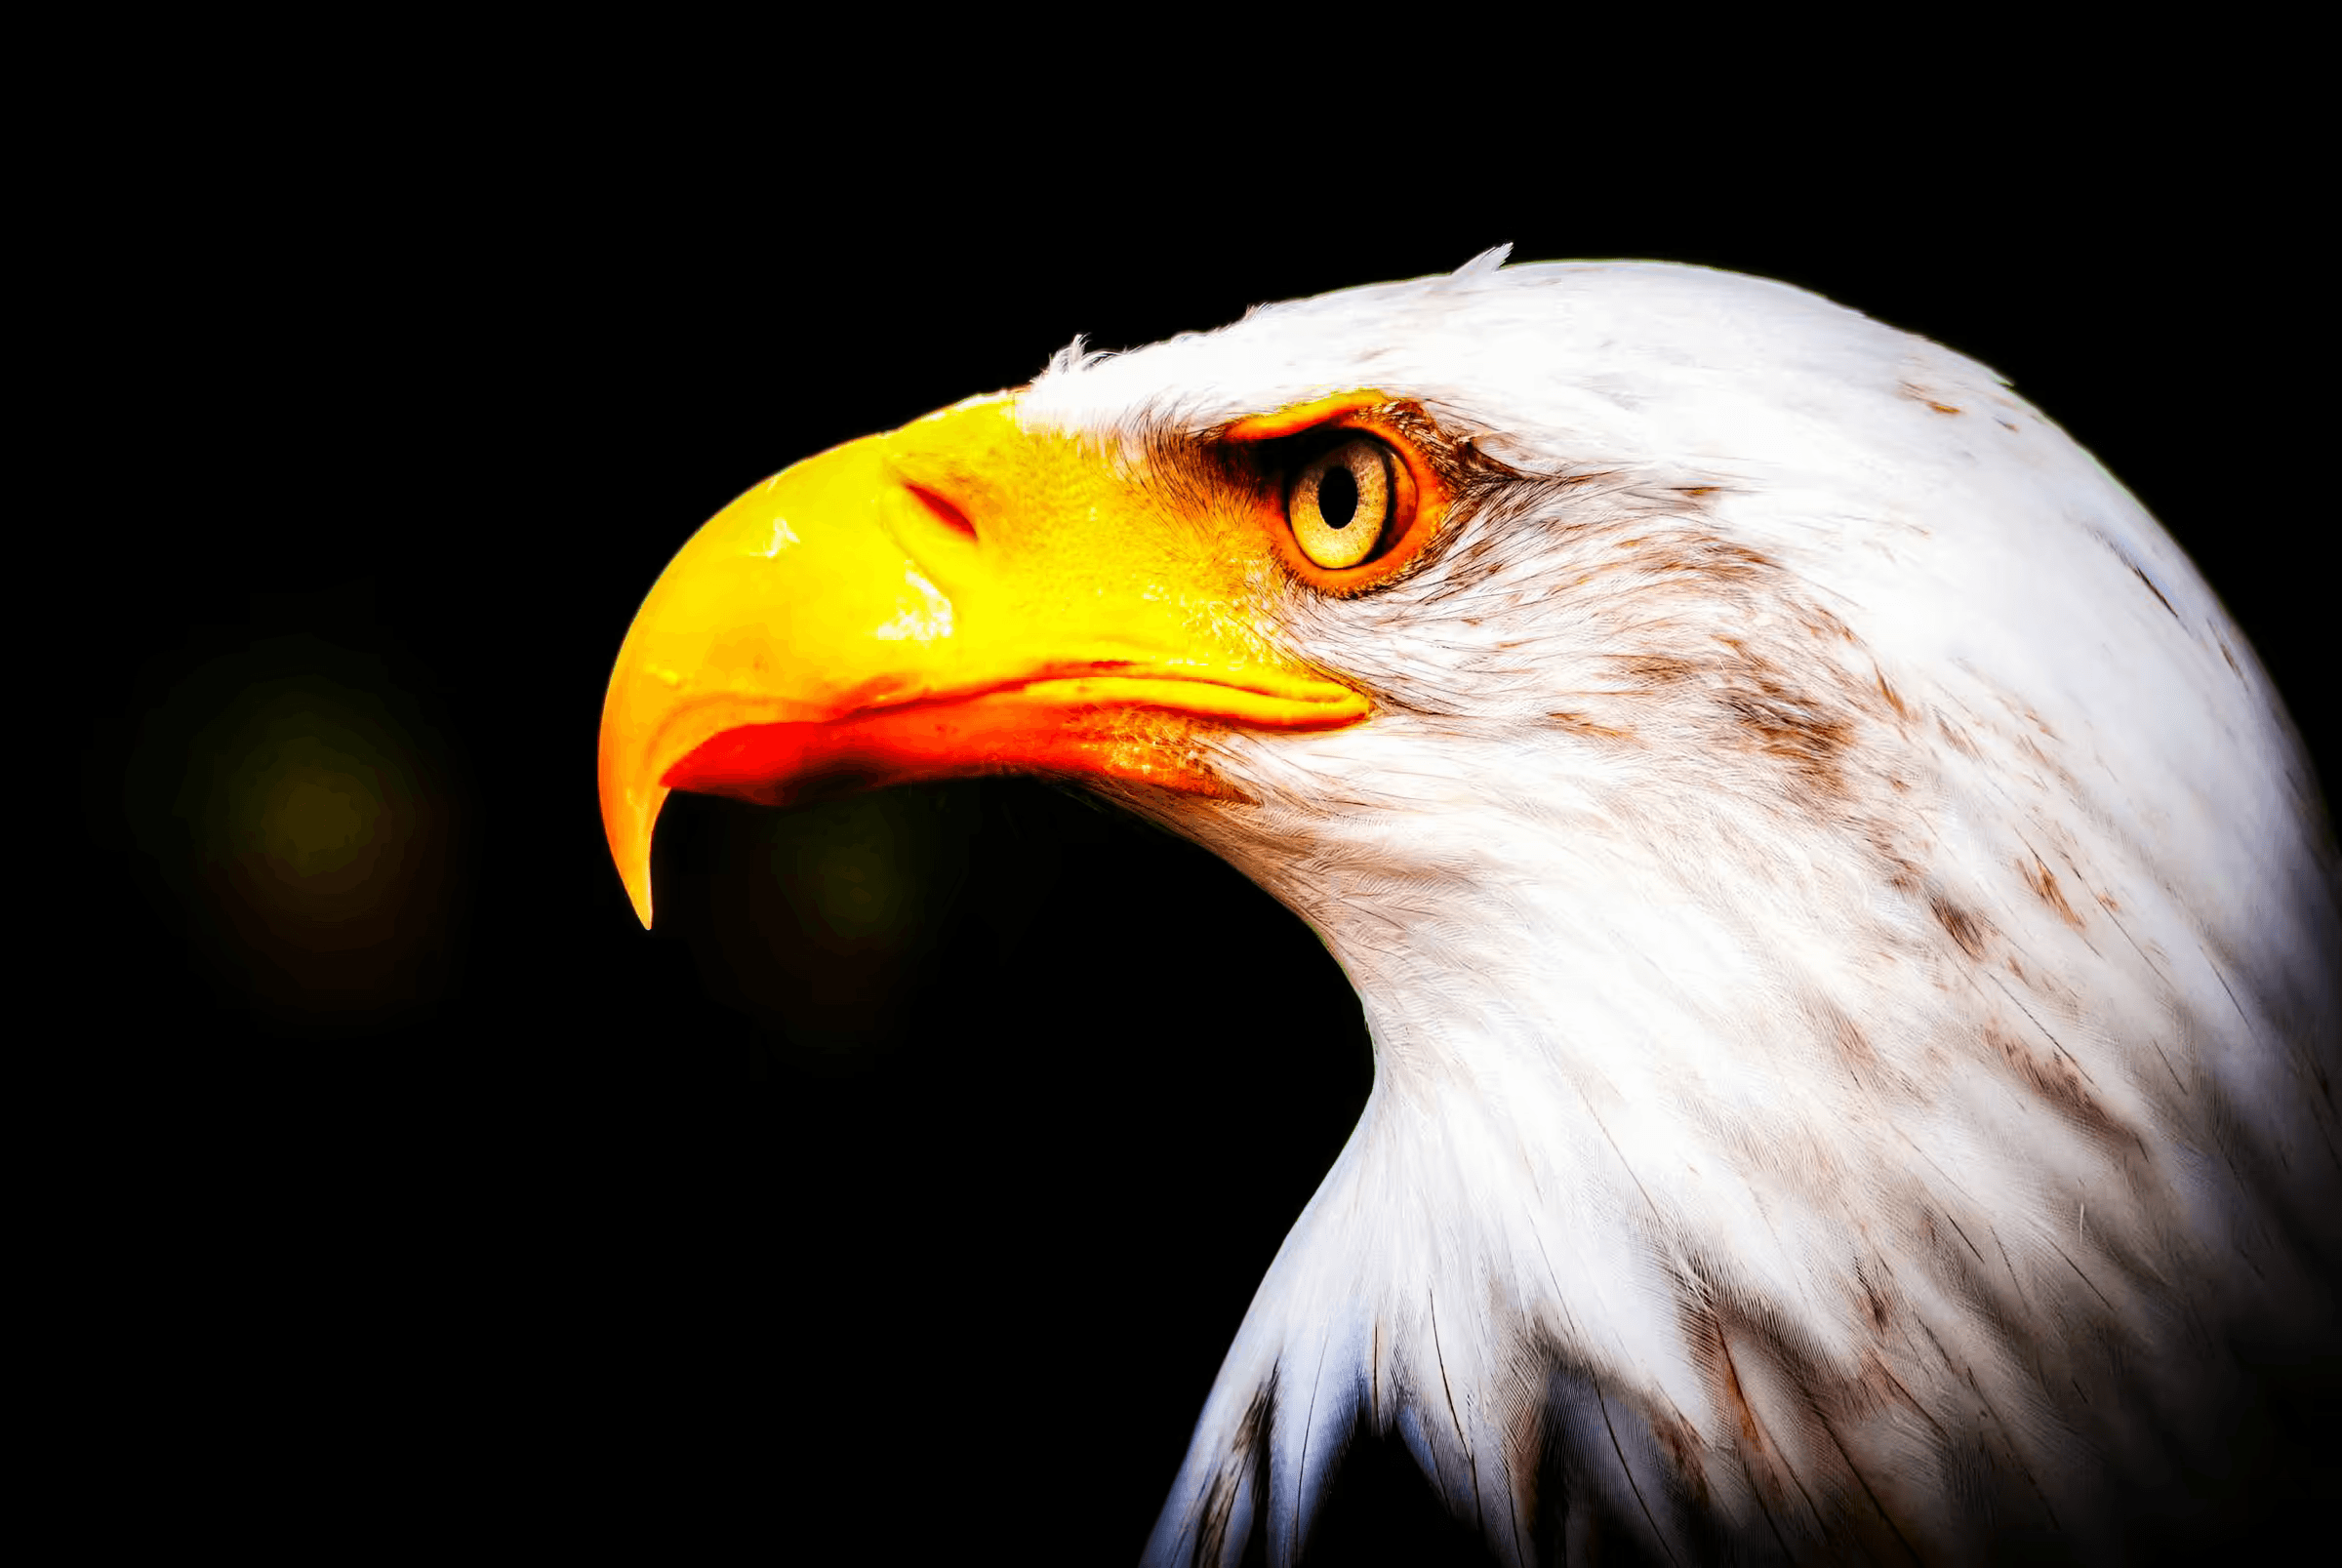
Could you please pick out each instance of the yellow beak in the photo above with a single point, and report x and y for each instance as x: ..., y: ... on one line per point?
x: 959, y: 596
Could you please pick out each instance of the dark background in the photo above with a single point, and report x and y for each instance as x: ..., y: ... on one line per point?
x: 906, y: 1183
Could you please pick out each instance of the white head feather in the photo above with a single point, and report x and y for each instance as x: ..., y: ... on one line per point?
x: 1848, y: 931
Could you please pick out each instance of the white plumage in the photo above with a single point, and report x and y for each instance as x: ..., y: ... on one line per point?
x: 1848, y: 935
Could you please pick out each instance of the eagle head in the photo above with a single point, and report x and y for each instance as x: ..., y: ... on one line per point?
x: 1847, y: 928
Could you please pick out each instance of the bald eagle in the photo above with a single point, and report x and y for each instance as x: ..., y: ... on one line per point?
x: 1848, y: 931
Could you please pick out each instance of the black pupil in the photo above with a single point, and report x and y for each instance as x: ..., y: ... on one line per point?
x: 1338, y: 498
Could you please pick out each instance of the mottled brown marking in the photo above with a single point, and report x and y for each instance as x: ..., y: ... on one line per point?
x: 1681, y: 1440
x: 2043, y: 882
x: 2230, y: 657
x: 1872, y: 1298
x: 1853, y: 1045
x: 1580, y: 724
x: 1894, y: 699
x: 1823, y: 623
x: 1721, y: 1336
x: 1959, y: 741
x: 1706, y: 555
x: 2057, y: 1081
x: 1902, y: 872
x: 1736, y: 1398
x: 1657, y: 670
x: 1786, y: 723
x: 1710, y: 1342
x: 2151, y: 588
x: 1247, y: 1461
x: 1964, y: 928
x: 1789, y: 1413
x: 1920, y: 394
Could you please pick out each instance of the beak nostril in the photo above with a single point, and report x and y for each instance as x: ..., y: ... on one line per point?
x: 944, y: 511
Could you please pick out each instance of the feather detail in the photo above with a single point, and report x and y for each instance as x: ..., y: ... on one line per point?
x: 1488, y: 261
x: 1847, y: 928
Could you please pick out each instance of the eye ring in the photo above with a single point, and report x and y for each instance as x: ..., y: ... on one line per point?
x: 1291, y: 439
x: 1340, y: 505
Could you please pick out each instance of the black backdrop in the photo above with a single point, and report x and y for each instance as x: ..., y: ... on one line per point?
x: 911, y: 1222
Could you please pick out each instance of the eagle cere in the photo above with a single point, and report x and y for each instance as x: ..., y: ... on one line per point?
x: 1847, y: 930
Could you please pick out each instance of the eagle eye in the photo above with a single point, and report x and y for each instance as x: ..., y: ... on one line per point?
x: 1340, y: 504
